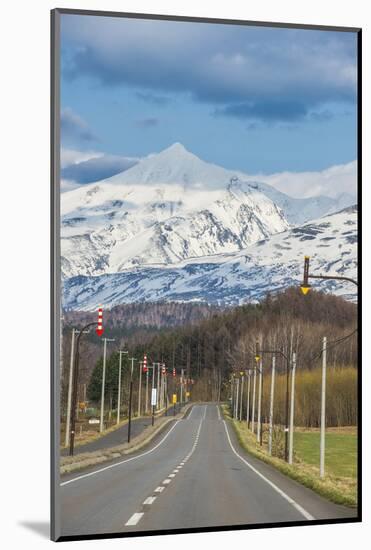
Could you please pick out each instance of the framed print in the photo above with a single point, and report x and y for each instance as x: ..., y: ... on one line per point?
x: 206, y: 176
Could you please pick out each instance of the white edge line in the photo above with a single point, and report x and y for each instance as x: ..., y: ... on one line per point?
x: 190, y: 414
x: 121, y: 462
x: 300, y: 509
x: 134, y: 518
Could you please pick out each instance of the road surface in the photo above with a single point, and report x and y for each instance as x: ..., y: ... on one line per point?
x: 194, y: 475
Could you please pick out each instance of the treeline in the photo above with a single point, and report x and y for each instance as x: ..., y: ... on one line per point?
x: 155, y: 315
x: 341, y: 397
x: 221, y: 342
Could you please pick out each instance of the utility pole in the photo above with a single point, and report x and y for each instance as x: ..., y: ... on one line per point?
x: 270, y: 436
x: 323, y: 409
x: 242, y: 381
x: 248, y: 398
x: 105, y: 340
x: 237, y: 397
x: 153, y: 405
x: 232, y: 396
x: 166, y: 396
x: 70, y: 383
x: 158, y: 386
x: 140, y: 387
x: 292, y: 407
x: 253, y: 401
x: 259, y: 427
x: 181, y: 385
x: 132, y: 359
x: 146, y: 407
x: 70, y: 380
x: 119, y: 386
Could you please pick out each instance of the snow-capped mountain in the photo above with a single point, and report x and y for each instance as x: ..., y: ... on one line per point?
x: 267, y: 265
x: 168, y: 208
x: 172, y: 207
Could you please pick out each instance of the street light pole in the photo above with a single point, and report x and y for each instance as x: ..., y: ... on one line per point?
x: 140, y: 387
x: 287, y: 359
x: 146, y: 406
x: 248, y: 398
x: 69, y: 397
x: 305, y: 286
x: 105, y: 340
x: 259, y: 420
x: 158, y: 386
x: 242, y: 383
x: 237, y: 397
x: 253, y: 401
x: 271, y: 406
x: 119, y: 386
x: 75, y: 386
x: 181, y: 384
x: 323, y: 409
x: 132, y: 359
x: 292, y: 409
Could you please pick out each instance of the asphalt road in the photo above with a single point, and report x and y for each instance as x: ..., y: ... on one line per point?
x: 118, y: 436
x: 193, y: 475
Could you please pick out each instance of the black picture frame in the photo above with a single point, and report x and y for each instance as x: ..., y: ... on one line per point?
x: 55, y: 266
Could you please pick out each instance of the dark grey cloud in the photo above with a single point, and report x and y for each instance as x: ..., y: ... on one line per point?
x: 75, y: 127
x: 96, y: 169
x: 271, y: 111
x: 149, y: 122
x: 233, y: 68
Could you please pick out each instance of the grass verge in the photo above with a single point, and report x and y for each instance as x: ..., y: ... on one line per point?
x: 338, y: 489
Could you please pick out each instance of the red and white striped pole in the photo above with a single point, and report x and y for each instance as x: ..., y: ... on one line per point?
x: 99, y: 330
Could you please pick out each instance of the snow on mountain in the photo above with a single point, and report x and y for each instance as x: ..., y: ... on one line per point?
x: 170, y: 207
x: 267, y: 265
x: 167, y: 208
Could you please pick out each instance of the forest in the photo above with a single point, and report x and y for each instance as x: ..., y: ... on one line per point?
x: 212, y: 343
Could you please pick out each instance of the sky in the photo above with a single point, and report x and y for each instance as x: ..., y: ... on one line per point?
x: 256, y: 99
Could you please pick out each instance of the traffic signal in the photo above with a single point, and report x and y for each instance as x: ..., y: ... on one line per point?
x: 305, y: 287
x: 257, y: 352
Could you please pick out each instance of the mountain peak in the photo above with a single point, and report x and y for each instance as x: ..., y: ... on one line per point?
x: 176, y: 149
x: 177, y: 146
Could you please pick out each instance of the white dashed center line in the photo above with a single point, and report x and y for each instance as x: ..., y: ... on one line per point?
x: 149, y: 500
x: 134, y: 518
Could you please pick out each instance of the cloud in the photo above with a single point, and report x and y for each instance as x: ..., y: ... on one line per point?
x: 247, y: 72
x: 149, y: 122
x: 83, y: 167
x: 72, y: 156
x: 154, y: 99
x: 96, y: 169
x: 75, y: 127
x: 330, y: 182
x: 270, y: 111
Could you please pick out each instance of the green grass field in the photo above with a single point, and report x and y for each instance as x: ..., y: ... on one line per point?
x: 341, y: 451
x: 340, y: 482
